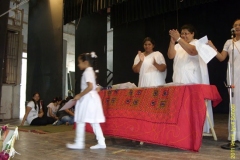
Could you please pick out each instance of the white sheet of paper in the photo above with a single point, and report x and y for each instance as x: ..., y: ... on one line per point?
x: 203, y: 40
x: 205, y: 51
x: 69, y: 104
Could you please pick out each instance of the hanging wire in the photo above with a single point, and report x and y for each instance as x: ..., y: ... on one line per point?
x: 18, y: 5
x: 177, y: 8
x: 177, y: 12
x: 80, y: 16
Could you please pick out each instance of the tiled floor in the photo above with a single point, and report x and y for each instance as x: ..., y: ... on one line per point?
x: 34, y: 146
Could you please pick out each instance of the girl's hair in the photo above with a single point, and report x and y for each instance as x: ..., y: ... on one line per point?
x: 149, y: 39
x: 190, y: 28
x: 56, y: 99
x: 63, y: 103
x: 36, y: 102
x: 91, y: 58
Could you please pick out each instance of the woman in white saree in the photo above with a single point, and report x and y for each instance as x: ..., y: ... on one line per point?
x: 150, y: 65
x: 188, y: 67
x: 227, y: 50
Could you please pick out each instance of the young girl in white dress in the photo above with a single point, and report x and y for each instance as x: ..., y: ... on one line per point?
x: 88, y: 108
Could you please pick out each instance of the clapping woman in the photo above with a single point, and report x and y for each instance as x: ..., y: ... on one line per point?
x: 150, y: 65
x: 187, y: 66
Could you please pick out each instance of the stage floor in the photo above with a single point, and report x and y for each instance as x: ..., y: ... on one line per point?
x: 52, y: 146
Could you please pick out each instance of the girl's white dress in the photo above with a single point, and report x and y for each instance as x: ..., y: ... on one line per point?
x: 88, y: 108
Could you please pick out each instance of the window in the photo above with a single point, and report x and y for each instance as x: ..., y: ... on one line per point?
x: 11, y: 58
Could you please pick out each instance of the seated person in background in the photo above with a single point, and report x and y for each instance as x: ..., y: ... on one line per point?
x: 52, y: 109
x: 65, y: 116
x: 34, y: 113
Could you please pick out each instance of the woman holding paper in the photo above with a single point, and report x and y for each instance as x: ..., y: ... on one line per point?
x: 227, y: 50
x: 188, y: 67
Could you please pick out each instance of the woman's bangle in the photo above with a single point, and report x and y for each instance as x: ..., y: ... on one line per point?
x: 179, y: 39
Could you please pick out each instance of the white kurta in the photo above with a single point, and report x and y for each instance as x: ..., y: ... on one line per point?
x: 89, y: 107
x: 189, y: 69
x: 149, y: 75
x: 236, y: 99
x: 33, y: 113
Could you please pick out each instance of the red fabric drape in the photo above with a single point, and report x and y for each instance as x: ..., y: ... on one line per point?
x: 171, y: 116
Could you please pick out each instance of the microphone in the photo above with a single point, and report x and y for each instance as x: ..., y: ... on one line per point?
x: 233, y: 32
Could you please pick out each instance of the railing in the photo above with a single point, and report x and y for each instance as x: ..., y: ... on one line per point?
x: 109, y: 77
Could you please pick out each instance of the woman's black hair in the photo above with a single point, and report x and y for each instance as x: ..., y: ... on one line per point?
x: 63, y: 102
x: 68, y: 98
x: 149, y: 39
x: 91, y: 58
x: 56, y: 99
x: 236, y: 20
x: 36, y: 102
x: 190, y: 29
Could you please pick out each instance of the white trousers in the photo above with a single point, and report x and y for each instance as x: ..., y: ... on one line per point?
x: 80, y: 133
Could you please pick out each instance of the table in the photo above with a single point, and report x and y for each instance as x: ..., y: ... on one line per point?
x: 171, y: 116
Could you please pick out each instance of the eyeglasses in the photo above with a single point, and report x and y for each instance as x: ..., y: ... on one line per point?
x: 187, y: 33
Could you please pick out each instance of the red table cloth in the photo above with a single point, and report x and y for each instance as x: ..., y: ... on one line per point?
x: 170, y: 116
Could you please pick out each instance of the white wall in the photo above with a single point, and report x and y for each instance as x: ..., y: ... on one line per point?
x: 109, y: 48
x: 70, y: 38
x: 10, y: 101
x: 6, y: 101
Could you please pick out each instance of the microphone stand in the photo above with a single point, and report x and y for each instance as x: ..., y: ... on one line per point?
x: 231, y: 146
